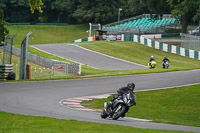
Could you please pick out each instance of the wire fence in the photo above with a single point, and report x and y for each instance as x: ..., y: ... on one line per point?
x: 7, y: 55
x: 190, y: 42
x: 48, y: 64
x: 39, y: 72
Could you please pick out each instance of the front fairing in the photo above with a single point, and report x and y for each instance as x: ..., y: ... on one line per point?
x: 129, y: 98
x: 166, y: 62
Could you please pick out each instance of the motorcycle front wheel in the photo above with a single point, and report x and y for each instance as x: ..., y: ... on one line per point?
x: 119, y: 112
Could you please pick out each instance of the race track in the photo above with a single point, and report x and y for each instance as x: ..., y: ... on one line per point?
x: 42, y: 98
x: 84, y: 56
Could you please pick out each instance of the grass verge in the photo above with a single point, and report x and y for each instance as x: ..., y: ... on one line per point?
x: 48, y: 34
x: 13, y: 123
x: 176, y: 106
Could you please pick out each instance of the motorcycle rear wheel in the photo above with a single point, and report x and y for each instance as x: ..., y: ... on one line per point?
x: 119, y: 113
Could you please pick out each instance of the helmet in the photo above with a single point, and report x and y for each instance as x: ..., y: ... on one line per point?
x: 131, y: 86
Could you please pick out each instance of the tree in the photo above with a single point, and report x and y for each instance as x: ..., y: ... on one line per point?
x: 98, y: 11
x: 184, y: 8
x: 64, y: 8
x: 35, y: 5
x: 156, y: 6
x: 133, y: 8
x: 3, y: 30
x: 16, y: 11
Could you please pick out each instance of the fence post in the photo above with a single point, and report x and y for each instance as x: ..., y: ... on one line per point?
x: 24, y: 57
x: 79, y: 71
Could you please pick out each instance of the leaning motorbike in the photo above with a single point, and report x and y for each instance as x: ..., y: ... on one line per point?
x: 119, y: 106
x: 166, y: 64
x: 152, y: 64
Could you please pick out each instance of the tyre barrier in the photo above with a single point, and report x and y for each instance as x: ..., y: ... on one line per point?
x: 6, y: 72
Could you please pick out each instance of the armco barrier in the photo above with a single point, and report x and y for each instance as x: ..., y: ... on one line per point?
x: 157, y: 45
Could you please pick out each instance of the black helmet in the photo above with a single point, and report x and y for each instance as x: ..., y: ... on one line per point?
x: 131, y: 86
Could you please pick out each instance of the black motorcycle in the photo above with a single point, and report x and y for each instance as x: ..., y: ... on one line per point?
x: 119, y: 106
x: 166, y: 64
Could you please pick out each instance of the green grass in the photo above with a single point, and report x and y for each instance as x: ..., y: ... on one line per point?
x: 177, y: 105
x: 48, y: 34
x: 13, y: 123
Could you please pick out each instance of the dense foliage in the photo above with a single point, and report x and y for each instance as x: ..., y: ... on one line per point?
x: 70, y: 11
x: 3, y: 30
x: 35, y: 4
x: 95, y: 11
x: 186, y: 9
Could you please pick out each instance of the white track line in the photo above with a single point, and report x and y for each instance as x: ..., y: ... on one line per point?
x: 167, y: 87
x: 108, y: 56
x: 136, y: 119
x: 90, y: 51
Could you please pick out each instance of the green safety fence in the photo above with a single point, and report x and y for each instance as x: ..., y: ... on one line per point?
x: 58, y: 24
x: 167, y: 48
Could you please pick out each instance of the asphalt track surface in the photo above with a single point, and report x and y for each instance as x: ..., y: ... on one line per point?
x: 84, y: 56
x: 42, y: 98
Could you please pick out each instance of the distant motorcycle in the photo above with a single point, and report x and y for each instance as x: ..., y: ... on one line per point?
x: 119, y: 107
x: 166, y: 64
x: 152, y: 64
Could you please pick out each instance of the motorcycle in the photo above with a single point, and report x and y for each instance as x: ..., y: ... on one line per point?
x: 166, y: 64
x: 152, y: 64
x: 119, y: 106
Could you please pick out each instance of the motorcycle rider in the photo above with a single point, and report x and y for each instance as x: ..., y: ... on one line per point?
x: 121, y: 91
x: 165, y: 59
x: 151, y: 59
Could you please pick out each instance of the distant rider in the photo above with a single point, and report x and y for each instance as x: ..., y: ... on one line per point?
x: 165, y: 59
x: 151, y: 59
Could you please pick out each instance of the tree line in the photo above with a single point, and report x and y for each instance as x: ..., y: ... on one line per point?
x: 95, y: 11
x: 69, y: 11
